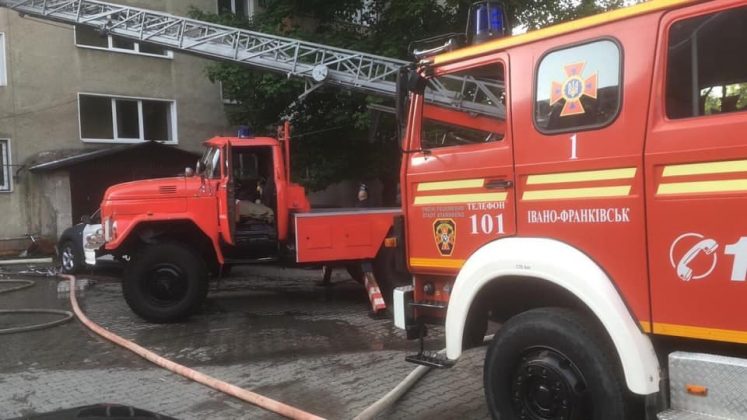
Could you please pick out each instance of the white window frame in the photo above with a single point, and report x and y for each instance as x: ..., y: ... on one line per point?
x: 3, y: 61
x: 110, y: 41
x: 7, y: 165
x: 120, y: 140
x: 226, y: 101
x: 250, y: 7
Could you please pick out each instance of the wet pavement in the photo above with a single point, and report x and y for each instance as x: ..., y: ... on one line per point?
x: 266, y: 329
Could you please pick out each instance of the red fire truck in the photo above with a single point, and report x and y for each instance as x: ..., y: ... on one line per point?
x: 174, y: 232
x: 588, y: 200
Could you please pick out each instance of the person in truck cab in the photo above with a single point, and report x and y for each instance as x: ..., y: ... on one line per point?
x: 249, y: 204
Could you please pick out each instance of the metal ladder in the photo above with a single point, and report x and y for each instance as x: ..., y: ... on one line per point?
x: 315, y: 63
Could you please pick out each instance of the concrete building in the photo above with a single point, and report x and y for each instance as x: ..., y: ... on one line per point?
x: 67, y: 93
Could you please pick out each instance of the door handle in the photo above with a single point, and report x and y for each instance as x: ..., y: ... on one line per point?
x: 495, y: 184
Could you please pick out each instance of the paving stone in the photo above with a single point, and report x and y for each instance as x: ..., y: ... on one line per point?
x: 266, y: 329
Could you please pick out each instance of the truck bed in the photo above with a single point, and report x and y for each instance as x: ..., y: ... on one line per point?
x: 325, y: 235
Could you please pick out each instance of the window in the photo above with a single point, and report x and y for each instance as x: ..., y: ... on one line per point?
x: 239, y: 7
x: 445, y: 127
x: 225, y: 95
x: 3, y: 68
x: 578, y: 87
x: 209, y: 163
x: 445, y: 134
x: 109, y: 119
x: 87, y: 37
x: 707, y: 65
x: 6, y: 173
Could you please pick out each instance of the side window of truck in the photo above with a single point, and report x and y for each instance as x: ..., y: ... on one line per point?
x: 578, y: 87
x: 446, y: 127
x: 707, y: 65
x: 209, y: 165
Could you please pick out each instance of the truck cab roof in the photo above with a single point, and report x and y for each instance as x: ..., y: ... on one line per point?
x: 242, y: 142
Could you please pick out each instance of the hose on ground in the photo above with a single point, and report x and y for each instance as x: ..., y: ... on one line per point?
x: 66, y: 316
x: 398, y: 391
x: 25, y: 284
x: 395, y: 394
x: 253, y: 398
x: 217, y: 384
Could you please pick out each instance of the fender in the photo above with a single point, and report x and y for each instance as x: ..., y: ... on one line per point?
x: 569, y: 268
x: 127, y: 225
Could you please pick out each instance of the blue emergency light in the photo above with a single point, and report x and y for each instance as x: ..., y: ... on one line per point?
x: 245, y: 132
x: 487, y: 21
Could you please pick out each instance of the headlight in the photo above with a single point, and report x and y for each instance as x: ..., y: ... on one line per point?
x: 95, y: 240
x: 109, y: 229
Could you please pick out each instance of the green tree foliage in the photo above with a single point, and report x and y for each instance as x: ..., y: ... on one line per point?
x: 336, y: 136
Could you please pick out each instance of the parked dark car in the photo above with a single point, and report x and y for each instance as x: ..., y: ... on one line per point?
x: 75, y: 249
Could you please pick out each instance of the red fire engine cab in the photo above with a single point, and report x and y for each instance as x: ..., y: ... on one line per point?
x: 596, y: 215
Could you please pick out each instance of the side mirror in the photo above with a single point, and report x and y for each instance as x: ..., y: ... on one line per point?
x: 199, y: 167
x: 189, y: 172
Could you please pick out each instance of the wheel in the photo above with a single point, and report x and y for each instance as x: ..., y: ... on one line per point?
x: 165, y: 283
x: 387, y: 275
x: 71, y: 258
x: 551, y: 363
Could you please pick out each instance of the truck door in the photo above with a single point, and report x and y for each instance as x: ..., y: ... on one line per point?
x: 459, y: 175
x: 226, y: 197
x: 696, y: 174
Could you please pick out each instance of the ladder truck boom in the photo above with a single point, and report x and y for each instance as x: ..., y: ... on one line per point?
x: 314, y: 63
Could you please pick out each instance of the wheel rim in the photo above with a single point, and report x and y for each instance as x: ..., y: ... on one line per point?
x: 165, y: 285
x: 68, y: 258
x: 547, y: 385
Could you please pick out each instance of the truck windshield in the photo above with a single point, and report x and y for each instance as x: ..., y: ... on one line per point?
x: 209, y: 165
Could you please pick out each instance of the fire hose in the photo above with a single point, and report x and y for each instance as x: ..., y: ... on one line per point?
x: 25, y: 284
x: 216, y: 384
x: 240, y: 393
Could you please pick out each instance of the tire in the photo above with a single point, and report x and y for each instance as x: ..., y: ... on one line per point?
x: 551, y: 363
x: 72, y: 260
x: 165, y: 283
x: 387, y: 276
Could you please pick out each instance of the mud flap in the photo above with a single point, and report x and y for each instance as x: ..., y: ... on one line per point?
x: 372, y: 287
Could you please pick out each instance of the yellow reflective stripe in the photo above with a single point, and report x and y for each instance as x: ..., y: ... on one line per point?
x: 727, y: 185
x: 451, y: 185
x: 715, y: 334
x: 706, y: 168
x: 460, y: 198
x: 436, y: 263
x: 646, y: 326
x: 555, y: 30
x: 597, y: 192
x: 603, y: 175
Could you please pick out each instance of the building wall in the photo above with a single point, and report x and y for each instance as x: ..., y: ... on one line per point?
x: 39, y: 105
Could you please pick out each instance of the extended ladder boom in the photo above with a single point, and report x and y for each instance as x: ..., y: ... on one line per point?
x: 315, y: 63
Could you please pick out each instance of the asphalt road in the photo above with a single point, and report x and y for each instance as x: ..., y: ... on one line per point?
x: 270, y: 330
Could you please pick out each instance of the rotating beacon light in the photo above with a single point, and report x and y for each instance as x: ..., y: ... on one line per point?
x: 487, y: 20
x: 245, y: 132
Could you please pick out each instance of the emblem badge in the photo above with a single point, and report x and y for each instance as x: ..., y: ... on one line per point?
x: 573, y: 88
x: 444, y: 231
